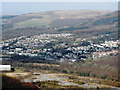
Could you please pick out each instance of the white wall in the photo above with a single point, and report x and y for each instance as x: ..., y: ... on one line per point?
x: 5, y: 67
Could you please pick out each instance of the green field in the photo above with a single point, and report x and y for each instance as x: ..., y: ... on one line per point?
x: 34, y: 22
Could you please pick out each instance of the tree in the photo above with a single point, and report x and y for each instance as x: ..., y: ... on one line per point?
x: 12, y: 69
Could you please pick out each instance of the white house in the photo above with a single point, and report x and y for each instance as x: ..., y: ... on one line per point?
x: 5, y: 67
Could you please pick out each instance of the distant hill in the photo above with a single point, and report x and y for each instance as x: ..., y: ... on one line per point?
x: 46, y: 18
x: 71, y: 20
x: 8, y: 16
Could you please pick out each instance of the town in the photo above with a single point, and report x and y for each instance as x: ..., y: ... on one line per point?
x: 59, y: 47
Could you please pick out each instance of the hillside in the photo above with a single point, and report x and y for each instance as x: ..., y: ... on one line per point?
x: 11, y: 83
x: 61, y: 49
x: 58, y: 21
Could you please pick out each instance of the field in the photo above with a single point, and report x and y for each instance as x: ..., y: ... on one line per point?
x: 34, y: 23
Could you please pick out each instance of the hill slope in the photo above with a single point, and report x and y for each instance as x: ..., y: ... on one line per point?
x: 34, y: 23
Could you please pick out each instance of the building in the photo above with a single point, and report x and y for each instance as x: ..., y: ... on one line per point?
x: 5, y: 67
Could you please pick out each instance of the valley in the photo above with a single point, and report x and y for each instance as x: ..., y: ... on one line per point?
x: 61, y: 49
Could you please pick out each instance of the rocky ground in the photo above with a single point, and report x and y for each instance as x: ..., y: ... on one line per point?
x: 61, y: 79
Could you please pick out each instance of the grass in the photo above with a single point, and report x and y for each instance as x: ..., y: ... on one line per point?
x: 74, y: 77
x: 18, y: 70
x: 34, y: 22
x: 16, y: 74
x: 77, y: 82
x: 52, y: 84
x: 91, y: 80
x: 12, y: 83
x: 43, y: 64
x: 100, y: 85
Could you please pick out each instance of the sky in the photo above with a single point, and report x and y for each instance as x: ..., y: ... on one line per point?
x: 60, y: 0
x: 34, y: 7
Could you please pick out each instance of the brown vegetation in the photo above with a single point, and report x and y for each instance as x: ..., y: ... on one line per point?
x: 10, y: 83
